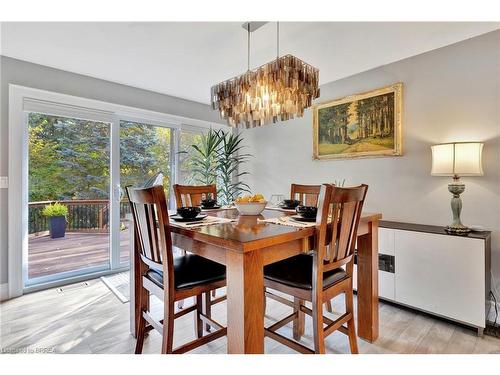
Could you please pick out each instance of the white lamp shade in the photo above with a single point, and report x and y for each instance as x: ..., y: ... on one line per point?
x: 462, y: 159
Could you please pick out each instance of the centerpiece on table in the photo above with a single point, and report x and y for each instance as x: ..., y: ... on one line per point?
x: 250, y: 204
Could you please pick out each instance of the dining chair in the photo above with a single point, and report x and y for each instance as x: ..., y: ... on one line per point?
x: 192, y: 195
x: 306, y: 194
x: 189, y: 196
x: 168, y: 277
x: 320, y: 276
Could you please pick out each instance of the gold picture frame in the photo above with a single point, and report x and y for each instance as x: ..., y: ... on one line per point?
x: 359, y: 126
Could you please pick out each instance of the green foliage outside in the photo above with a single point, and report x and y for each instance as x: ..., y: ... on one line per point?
x: 56, y: 209
x: 69, y: 158
x: 144, y: 152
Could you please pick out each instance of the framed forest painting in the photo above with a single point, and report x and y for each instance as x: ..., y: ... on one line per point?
x: 361, y: 125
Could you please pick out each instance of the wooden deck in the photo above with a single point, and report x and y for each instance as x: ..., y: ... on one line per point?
x: 76, y: 251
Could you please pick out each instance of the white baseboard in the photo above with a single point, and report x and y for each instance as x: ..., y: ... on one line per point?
x: 4, y: 291
x: 491, y: 315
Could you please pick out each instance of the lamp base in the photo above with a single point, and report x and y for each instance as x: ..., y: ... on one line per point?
x: 458, y: 230
x: 456, y: 227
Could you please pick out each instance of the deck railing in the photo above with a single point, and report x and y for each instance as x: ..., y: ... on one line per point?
x: 84, y: 215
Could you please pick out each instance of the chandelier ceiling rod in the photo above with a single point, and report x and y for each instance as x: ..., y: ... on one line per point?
x: 248, y: 47
x: 277, y: 39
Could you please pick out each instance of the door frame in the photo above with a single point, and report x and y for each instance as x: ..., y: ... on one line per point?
x: 23, y: 100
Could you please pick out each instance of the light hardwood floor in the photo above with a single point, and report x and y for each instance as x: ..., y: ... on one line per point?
x: 91, y: 319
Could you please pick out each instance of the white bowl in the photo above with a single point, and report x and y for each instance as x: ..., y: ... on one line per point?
x: 250, y: 208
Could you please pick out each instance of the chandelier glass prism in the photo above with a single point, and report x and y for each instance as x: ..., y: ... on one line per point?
x: 276, y: 91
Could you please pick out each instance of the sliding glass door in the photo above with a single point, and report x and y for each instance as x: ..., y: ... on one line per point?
x: 145, y: 150
x: 79, y: 220
x: 187, y: 138
x: 68, y: 197
x: 70, y: 159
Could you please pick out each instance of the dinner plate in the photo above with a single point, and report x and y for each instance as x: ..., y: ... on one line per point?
x: 188, y: 220
x: 210, y: 208
x: 303, y: 219
x: 286, y: 207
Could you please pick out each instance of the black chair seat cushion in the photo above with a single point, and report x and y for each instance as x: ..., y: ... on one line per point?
x: 191, y: 270
x: 297, y: 272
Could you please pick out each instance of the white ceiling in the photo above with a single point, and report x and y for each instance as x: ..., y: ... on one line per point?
x: 185, y: 58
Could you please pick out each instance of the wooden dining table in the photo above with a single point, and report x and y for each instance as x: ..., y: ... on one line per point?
x: 246, y: 244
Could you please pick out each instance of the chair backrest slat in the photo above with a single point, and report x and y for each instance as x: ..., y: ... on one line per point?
x: 141, y: 212
x: 190, y: 195
x: 338, y: 218
x: 152, y: 228
x: 306, y: 194
x: 333, y: 248
x: 153, y: 232
x: 346, y: 225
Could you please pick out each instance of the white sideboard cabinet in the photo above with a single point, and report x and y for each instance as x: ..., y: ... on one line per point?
x: 423, y: 267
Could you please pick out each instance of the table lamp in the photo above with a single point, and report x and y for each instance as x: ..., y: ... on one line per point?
x: 456, y: 160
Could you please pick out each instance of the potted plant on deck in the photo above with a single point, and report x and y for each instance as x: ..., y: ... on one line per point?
x: 57, y: 214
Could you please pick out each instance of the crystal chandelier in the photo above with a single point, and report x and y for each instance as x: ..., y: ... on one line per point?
x: 278, y: 90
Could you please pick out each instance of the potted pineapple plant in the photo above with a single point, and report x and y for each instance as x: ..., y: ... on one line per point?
x: 57, y: 214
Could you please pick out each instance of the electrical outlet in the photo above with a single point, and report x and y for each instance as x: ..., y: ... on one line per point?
x: 4, y: 182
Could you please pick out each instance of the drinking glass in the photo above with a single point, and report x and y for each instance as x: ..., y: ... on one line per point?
x: 276, y: 199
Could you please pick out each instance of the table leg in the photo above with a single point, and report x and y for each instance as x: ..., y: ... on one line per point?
x: 245, y: 302
x: 368, y: 283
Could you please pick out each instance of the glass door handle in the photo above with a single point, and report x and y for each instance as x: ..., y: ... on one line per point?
x: 118, y: 193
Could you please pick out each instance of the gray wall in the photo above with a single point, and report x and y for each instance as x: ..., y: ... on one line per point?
x: 450, y: 94
x: 37, y: 76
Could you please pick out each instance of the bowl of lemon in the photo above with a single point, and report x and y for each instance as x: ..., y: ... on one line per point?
x: 250, y: 204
